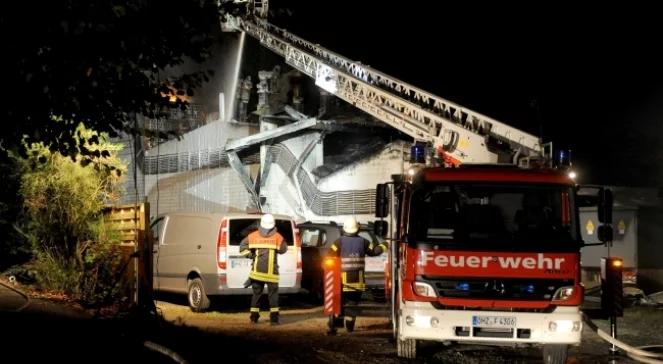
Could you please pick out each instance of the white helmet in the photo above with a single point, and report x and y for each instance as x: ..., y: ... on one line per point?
x: 267, y: 221
x: 350, y: 225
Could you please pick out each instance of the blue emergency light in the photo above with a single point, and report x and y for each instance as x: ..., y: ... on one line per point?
x: 564, y: 158
x: 418, y: 153
x: 528, y: 288
x: 463, y: 286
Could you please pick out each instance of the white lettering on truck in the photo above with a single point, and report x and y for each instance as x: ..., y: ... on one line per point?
x: 472, y: 261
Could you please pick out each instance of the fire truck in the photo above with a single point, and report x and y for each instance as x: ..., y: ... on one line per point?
x: 485, y: 254
x: 485, y: 239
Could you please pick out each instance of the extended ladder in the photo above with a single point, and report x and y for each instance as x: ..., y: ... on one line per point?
x: 461, y: 133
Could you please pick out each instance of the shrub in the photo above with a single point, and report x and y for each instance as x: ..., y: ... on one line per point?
x: 63, y: 200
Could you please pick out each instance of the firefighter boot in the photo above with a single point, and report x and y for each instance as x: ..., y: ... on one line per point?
x: 254, y: 317
x: 350, y: 323
x: 274, y: 318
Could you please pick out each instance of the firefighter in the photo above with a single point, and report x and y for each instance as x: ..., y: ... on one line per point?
x: 262, y: 246
x: 352, y: 249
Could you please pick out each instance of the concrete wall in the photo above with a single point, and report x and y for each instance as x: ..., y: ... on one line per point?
x: 650, y: 249
x: 625, y: 240
x: 206, y: 190
x: 195, y: 187
x: 638, y: 239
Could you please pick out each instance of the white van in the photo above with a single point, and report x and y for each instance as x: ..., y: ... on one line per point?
x: 198, y: 254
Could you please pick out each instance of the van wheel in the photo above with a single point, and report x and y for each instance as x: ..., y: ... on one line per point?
x: 555, y: 354
x: 198, y: 300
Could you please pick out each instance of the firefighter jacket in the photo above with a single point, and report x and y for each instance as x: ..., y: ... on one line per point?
x: 352, y: 250
x: 262, y: 246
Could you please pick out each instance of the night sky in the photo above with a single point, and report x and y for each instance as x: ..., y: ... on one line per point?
x: 594, y: 73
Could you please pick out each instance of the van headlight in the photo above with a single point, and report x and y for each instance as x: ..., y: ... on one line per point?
x: 563, y: 293
x: 424, y: 289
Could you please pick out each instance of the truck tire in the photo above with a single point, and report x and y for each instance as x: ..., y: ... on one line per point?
x: 406, y: 348
x: 555, y: 353
x: 198, y: 300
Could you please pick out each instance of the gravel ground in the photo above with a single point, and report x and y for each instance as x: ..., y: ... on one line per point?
x: 302, y: 338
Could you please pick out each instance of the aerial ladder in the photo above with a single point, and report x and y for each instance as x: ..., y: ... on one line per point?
x: 458, y: 134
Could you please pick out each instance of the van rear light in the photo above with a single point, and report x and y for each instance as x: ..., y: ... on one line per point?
x: 298, y: 246
x: 221, y: 244
x: 298, y: 238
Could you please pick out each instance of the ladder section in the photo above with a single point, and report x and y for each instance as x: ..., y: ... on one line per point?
x: 423, y: 116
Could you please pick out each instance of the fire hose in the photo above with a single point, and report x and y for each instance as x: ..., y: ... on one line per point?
x: 643, y: 354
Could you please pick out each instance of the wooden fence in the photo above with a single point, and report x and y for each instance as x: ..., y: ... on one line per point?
x: 132, y: 222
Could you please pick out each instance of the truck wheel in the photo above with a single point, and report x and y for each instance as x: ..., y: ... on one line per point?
x: 198, y: 300
x: 406, y: 348
x: 555, y: 353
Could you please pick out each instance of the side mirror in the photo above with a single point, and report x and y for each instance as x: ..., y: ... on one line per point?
x: 380, y: 228
x: 605, y: 206
x: 382, y: 194
x: 604, y: 233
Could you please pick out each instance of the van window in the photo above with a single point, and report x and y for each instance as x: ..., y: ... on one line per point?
x: 312, y: 237
x: 157, y: 227
x: 367, y: 235
x: 241, y: 228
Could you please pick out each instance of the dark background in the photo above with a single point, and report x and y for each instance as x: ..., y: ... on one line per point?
x: 586, y: 78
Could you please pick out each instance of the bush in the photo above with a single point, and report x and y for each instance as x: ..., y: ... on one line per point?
x: 55, y: 272
x: 74, y: 250
x: 13, y: 247
x: 104, y: 280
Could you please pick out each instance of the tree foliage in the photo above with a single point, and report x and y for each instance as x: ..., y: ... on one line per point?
x: 64, y: 201
x: 97, y: 62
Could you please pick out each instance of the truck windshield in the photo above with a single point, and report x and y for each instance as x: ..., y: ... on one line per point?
x: 519, y: 217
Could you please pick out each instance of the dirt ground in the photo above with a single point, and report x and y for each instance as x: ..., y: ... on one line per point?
x: 61, y: 332
x: 302, y: 338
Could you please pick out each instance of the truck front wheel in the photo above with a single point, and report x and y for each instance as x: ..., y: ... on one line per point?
x: 406, y: 348
x: 555, y: 353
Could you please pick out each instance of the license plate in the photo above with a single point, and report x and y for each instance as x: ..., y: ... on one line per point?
x: 493, y: 321
x: 241, y: 262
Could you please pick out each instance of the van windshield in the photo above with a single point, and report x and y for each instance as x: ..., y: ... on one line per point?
x: 241, y: 228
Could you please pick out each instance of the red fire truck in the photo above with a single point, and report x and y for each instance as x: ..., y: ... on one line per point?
x: 485, y: 254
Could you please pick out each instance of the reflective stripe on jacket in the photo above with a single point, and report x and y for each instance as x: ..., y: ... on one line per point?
x: 262, y: 247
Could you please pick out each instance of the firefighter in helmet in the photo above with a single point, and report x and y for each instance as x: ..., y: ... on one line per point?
x: 262, y: 246
x: 352, y: 249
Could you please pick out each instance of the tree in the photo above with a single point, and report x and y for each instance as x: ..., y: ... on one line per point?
x: 64, y: 198
x: 97, y: 62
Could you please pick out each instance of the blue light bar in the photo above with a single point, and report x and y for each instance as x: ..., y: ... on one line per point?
x: 463, y: 286
x: 418, y: 153
x: 564, y: 158
x: 528, y: 288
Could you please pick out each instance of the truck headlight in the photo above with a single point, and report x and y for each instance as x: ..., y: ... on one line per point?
x: 424, y: 289
x: 564, y: 326
x: 563, y: 293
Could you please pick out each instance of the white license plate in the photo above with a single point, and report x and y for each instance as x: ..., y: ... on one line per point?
x: 241, y: 262
x: 493, y: 321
